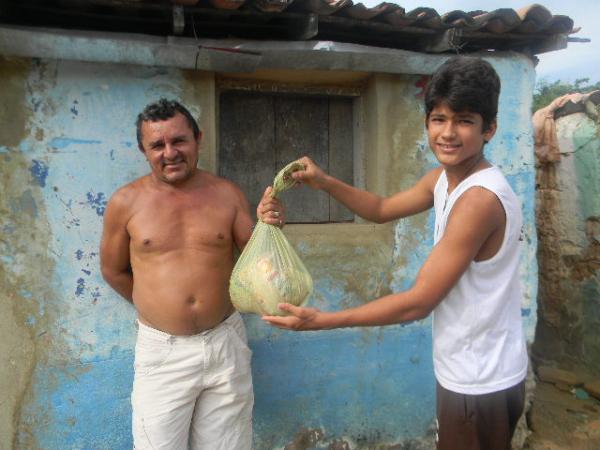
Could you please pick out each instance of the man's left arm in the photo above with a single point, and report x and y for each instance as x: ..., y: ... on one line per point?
x: 475, y: 216
x: 242, y: 223
x: 269, y: 210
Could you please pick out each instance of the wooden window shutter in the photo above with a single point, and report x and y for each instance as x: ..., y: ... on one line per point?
x: 260, y: 133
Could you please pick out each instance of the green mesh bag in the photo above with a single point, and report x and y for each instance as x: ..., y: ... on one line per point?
x: 269, y: 271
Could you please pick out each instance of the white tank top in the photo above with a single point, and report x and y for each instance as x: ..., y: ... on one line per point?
x: 478, y: 341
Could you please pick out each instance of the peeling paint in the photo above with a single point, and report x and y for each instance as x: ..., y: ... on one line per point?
x: 339, y: 445
x: 23, y: 290
x: 39, y: 171
x: 97, y: 202
x: 73, y: 109
x: 62, y: 143
x: 35, y: 323
x: 305, y: 439
x: 80, y: 287
x: 13, y: 108
x: 568, y: 218
x: 25, y: 203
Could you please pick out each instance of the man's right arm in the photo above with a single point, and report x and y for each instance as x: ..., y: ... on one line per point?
x: 367, y: 205
x: 114, y: 248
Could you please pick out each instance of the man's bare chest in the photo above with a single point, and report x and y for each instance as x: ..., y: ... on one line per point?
x: 160, y: 228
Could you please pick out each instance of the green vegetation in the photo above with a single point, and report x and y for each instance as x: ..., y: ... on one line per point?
x: 545, y: 92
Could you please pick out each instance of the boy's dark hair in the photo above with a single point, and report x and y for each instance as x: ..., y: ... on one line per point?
x: 465, y: 84
x: 163, y: 109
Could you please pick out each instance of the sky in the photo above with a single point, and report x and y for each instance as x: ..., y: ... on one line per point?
x: 578, y: 60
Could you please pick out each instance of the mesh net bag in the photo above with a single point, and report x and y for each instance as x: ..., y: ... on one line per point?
x: 269, y: 271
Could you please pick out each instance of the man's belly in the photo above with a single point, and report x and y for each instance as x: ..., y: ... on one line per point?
x: 183, y: 303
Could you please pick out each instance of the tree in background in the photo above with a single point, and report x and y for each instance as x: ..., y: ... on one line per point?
x: 545, y: 92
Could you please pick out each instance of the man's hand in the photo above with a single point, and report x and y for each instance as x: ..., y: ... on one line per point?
x: 312, y: 175
x: 270, y: 210
x: 301, y: 319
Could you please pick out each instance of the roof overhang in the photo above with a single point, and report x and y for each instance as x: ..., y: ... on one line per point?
x: 218, y: 55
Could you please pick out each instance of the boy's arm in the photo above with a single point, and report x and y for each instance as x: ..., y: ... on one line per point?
x: 475, y: 216
x: 367, y: 205
x: 114, y: 248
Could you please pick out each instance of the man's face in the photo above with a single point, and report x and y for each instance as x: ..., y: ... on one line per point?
x: 456, y: 137
x: 171, y: 149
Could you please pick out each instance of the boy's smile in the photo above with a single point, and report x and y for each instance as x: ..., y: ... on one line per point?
x: 457, y: 138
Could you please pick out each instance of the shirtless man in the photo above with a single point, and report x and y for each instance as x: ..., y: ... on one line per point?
x: 168, y: 247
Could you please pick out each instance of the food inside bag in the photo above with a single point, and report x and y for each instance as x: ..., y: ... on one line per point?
x: 269, y: 271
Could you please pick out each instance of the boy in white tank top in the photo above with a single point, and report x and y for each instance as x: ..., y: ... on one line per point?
x: 470, y: 279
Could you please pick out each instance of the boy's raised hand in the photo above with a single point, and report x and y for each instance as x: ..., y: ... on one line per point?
x: 312, y: 175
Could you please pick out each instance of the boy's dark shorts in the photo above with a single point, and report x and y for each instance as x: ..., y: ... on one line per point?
x: 478, y: 422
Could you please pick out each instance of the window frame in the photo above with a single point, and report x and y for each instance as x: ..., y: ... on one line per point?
x: 353, y: 92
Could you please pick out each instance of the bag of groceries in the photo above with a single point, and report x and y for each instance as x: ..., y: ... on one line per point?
x: 269, y: 271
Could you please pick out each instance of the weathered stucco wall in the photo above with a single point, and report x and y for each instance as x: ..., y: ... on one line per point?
x: 568, y: 214
x: 67, y: 142
x: 22, y: 246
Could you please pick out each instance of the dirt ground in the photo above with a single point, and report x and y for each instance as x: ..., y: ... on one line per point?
x: 563, y: 419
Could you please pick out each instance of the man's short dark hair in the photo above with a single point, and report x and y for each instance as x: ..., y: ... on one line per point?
x: 465, y: 84
x: 163, y: 109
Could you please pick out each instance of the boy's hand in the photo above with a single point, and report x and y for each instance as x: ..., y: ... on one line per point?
x: 270, y: 210
x: 301, y: 319
x: 312, y: 174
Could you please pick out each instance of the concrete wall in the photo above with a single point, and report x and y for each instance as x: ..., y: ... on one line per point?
x: 569, y: 228
x: 67, y: 141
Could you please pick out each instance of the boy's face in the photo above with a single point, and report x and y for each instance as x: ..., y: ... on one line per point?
x: 456, y: 138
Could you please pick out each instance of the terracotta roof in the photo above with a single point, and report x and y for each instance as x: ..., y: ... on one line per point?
x: 532, y: 29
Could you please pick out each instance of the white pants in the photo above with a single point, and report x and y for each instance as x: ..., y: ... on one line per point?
x: 197, y: 387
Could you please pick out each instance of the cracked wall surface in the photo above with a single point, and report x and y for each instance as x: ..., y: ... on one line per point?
x: 568, y: 218
x: 22, y: 232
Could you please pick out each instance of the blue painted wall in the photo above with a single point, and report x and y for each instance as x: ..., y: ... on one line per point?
x: 68, y: 142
